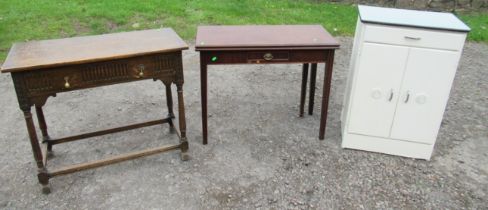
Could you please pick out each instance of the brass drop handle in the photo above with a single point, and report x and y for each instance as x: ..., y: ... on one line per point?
x: 141, y: 70
x: 268, y: 56
x: 66, y: 82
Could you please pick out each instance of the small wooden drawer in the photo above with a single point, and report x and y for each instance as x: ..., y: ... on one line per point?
x: 161, y: 66
x: 40, y: 82
x: 414, y: 37
x: 271, y: 56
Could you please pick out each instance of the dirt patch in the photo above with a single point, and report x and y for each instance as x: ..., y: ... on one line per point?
x: 81, y: 28
x: 111, y: 25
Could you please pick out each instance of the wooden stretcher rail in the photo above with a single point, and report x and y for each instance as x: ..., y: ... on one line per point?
x: 108, y: 131
x: 110, y: 160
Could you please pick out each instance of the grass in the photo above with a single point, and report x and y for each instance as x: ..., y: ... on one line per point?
x: 22, y: 20
x: 478, y: 22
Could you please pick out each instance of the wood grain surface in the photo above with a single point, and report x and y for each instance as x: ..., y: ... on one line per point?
x: 85, y: 49
x: 264, y: 36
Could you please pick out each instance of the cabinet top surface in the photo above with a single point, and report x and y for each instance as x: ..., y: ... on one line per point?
x: 411, y: 18
x: 264, y: 36
x: 77, y: 50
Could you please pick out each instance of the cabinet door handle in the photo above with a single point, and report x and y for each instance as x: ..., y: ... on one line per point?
x: 412, y: 38
x: 407, y: 97
x: 391, y: 95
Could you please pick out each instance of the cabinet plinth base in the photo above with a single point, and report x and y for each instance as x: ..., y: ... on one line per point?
x: 387, y: 146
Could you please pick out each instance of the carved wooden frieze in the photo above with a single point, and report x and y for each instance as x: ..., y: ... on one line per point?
x: 105, y: 72
x: 20, y: 89
x: 165, y: 64
x: 166, y: 67
x: 38, y: 82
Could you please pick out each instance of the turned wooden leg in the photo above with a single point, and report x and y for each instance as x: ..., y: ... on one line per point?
x: 203, y: 89
x: 182, y: 122
x: 304, y: 88
x: 325, y: 94
x: 43, y: 127
x: 36, y: 150
x: 313, y: 78
x: 169, y: 103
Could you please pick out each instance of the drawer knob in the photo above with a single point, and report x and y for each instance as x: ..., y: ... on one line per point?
x: 268, y: 56
x: 66, y: 82
x: 141, y: 70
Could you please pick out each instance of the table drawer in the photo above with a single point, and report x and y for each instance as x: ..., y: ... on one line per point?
x: 50, y: 81
x: 162, y: 66
x: 265, y: 57
x: 414, y: 37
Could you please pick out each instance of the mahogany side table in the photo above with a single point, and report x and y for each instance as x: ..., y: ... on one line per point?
x: 272, y: 44
x: 41, y: 69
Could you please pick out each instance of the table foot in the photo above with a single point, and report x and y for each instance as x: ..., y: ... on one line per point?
x: 184, y: 156
x: 172, y: 130
x: 43, y: 177
x: 46, y: 189
x: 50, y: 154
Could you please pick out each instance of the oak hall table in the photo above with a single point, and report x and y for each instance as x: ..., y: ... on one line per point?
x: 41, y: 69
x: 272, y: 44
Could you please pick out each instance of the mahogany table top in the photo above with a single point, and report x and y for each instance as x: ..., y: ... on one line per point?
x: 264, y: 37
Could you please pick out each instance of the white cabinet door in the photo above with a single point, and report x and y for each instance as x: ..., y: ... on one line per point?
x: 379, y: 75
x: 424, y: 94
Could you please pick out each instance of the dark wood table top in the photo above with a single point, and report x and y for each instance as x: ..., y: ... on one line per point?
x: 85, y: 49
x: 264, y: 37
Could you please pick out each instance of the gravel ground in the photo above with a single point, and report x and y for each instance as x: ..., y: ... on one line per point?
x: 260, y: 153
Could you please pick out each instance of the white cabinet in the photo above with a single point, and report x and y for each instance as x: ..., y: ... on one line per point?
x: 402, y: 67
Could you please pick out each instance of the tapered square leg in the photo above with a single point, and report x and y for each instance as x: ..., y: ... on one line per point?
x: 325, y: 94
x: 203, y: 88
x: 303, y: 92
x: 313, y: 78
